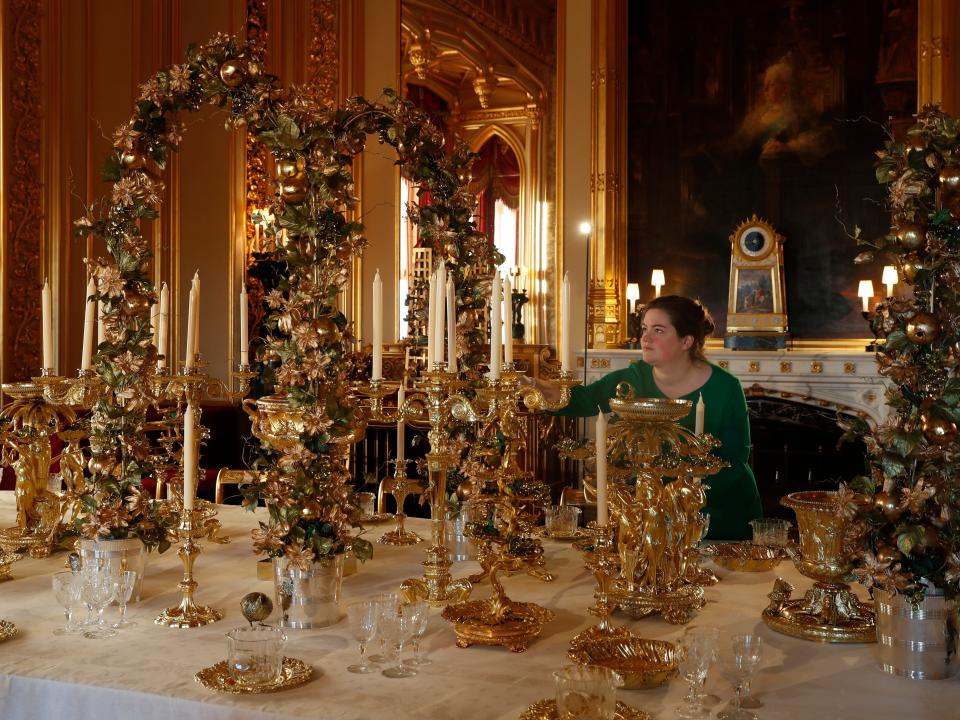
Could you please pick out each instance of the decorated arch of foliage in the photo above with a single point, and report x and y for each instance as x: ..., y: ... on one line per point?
x: 312, y: 506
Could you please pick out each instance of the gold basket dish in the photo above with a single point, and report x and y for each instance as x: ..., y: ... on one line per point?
x: 745, y: 557
x: 651, y: 409
x: 640, y: 662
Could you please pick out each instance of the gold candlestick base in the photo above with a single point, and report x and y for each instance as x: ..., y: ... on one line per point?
x: 399, y: 486
x: 436, y: 586
x: 188, y: 614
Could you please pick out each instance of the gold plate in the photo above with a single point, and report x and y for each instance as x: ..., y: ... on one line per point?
x: 578, y: 534
x: 642, y: 663
x: 744, y: 556
x: 547, y: 710
x: 8, y: 630
x: 376, y: 518
x: 217, y: 677
x: 790, y: 620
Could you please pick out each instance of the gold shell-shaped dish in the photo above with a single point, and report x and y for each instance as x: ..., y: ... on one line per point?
x: 745, y: 557
x: 8, y: 630
x: 216, y: 677
x: 640, y: 662
x: 474, y: 625
x: 547, y: 710
x: 651, y: 409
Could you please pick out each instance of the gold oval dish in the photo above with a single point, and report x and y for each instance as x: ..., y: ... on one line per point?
x: 547, y: 710
x: 745, y: 557
x: 651, y: 409
x: 640, y: 662
x: 216, y: 677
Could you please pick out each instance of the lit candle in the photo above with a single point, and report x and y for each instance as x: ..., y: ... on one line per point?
x: 507, y: 321
x: 451, y: 326
x: 164, y: 324
x: 658, y: 280
x: 244, y: 323
x: 601, y: 452
x: 191, y: 336
x: 566, y: 364
x: 89, y: 323
x: 496, y: 330
x: 377, y: 371
x: 401, y: 425
x: 889, y: 278
x: 865, y: 291
x: 698, y: 418
x: 189, y: 458
x: 47, y: 319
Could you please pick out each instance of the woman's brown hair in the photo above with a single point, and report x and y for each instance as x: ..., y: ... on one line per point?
x: 688, y: 317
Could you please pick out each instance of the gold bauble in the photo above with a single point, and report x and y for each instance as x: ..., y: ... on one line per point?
x: 233, y: 73
x: 938, y: 430
x: 310, y: 509
x: 256, y: 607
x: 466, y: 489
x: 134, y: 303
x: 885, y: 554
x: 286, y: 167
x: 327, y: 329
x: 132, y: 160
x: 923, y: 328
x: 950, y: 178
x: 101, y: 464
x: 294, y: 188
x: 887, y: 504
x: 909, y: 267
x: 911, y: 236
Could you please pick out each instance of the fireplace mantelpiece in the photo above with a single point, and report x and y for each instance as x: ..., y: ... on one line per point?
x: 842, y: 379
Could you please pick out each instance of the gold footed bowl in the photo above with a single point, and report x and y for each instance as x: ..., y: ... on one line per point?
x: 829, y: 611
x: 15, y: 540
x: 520, y: 626
x: 677, y: 606
x: 642, y: 663
x: 217, y: 677
x: 745, y: 557
x: 547, y: 710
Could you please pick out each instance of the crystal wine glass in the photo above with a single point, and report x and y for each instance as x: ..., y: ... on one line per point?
x: 697, y: 649
x: 363, y: 616
x: 97, y: 589
x: 383, y: 600
x: 66, y: 588
x: 421, y: 618
x: 397, y: 625
x: 125, y: 582
x: 739, y: 659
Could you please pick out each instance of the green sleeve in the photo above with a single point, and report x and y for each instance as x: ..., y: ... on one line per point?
x: 585, y: 399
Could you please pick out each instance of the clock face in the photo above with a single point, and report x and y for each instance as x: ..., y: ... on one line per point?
x: 754, y: 242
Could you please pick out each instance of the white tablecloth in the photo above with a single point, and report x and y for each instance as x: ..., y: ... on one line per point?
x: 146, y: 672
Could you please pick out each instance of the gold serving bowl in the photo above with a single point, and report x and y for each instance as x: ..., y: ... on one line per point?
x: 651, y: 409
x: 745, y: 557
x: 640, y: 662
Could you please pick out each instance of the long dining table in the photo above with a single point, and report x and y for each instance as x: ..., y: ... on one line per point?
x: 147, y: 671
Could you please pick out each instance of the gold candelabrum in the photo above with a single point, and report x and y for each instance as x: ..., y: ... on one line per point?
x: 659, y: 519
x: 441, y: 400
x: 829, y: 611
x: 500, y: 620
x: 188, y: 614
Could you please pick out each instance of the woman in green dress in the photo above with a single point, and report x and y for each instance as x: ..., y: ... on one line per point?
x: 673, y: 332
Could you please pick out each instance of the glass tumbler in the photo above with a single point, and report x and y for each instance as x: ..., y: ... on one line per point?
x: 562, y: 520
x: 770, y: 531
x: 586, y: 692
x: 255, y: 655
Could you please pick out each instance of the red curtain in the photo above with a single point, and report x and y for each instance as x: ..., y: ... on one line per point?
x: 496, y: 176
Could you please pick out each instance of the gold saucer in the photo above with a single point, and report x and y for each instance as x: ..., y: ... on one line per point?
x: 8, y: 630
x: 217, y: 677
x: 547, y: 710
x: 376, y: 518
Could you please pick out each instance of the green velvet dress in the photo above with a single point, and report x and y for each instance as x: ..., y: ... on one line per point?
x: 732, y: 500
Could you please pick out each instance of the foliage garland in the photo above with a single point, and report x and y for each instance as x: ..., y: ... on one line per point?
x: 310, y: 501
x: 909, y: 503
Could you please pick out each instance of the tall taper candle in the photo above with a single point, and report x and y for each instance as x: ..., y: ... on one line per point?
x: 401, y: 425
x: 377, y: 371
x: 507, y: 321
x: 451, y: 326
x: 191, y: 335
x: 601, y: 451
x: 189, y: 458
x: 244, y: 326
x: 164, y: 324
x: 89, y: 325
x: 196, y: 311
x: 698, y: 418
x: 496, y: 329
x: 441, y: 315
x: 566, y: 365
x: 431, y: 307
x: 47, y: 320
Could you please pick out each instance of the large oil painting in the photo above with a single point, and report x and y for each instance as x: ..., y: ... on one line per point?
x: 772, y: 108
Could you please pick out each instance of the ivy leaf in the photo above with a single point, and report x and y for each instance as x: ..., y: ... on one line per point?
x: 896, y: 340
x: 909, y: 539
x: 112, y: 169
x: 362, y: 549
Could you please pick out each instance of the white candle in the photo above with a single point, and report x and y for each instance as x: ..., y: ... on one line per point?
x: 47, y: 319
x: 164, y: 324
x: 377, y: 371
x: 601, y: 452
x: 507, y: 321
x: 189, y: 458
x: 451, y: 326
x: 698, y: 421
x: 89, y: 323
x: 565, y: 360
x: 401, y: 425
x: 191, y: 336
x: 440, y: 316
x: 431, y: 306
x: 244, y: 323
x: 496, y: 330
x: 196, y: 313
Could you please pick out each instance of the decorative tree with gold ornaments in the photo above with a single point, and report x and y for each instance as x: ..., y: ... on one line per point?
x: 908, y: 505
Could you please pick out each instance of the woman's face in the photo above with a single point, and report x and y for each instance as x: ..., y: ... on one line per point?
x: 659, y: 341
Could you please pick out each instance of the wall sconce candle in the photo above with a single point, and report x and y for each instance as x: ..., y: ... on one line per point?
x: 658, y: 280
x: 633, y: 295
x: 865, y: 292
x: 889, y: 278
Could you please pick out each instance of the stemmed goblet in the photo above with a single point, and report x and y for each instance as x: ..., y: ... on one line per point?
x: 383, y: 601
x: 397, y: 625
x: 698, y: 647
x: 66, y: 588
x: 125, y: 582
x: 739, y: 659
x: 363, y: 616
x: 97, y: 589
x: 421, y: 611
